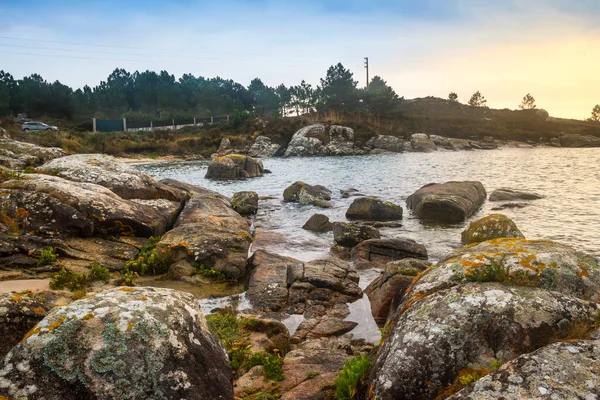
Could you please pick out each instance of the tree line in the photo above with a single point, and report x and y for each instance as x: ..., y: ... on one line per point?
x: 151, y: 95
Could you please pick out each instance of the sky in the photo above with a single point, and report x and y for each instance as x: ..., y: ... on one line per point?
x: 502, y: 48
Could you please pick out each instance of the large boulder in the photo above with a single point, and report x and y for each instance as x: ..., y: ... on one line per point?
x: 420, y: 142
x: 341, y: 142
x: 110, y: 172
x: 234, y: 166
x: 349, y: 235
x: 318, y: 223
x: 387, y: 290
x: 449, y: 202
x: 441, y: 141
x: 577, y: 140
x: 491, y: 227
x: 18, y: 314
x: 245, y: 203
x: 224, y: 147
x: 305, y: 141
x: 209, y: 232
x: 303, y: 193
x: 18, y: 155
x: 505, y: 194
x: 386, y: 142
x: 263, y: 147
x: 134, y: 343
x: 563, y: 370
x: 435, y: 337
x: 382, y: 251
x: 54, y: 203
x: 373, y: 209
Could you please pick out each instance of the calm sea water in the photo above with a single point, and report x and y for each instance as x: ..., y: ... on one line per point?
x: 568, y: 178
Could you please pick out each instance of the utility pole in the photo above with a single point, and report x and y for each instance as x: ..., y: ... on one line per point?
x: 367, y: 68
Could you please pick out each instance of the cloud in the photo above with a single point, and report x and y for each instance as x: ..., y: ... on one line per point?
x: 504, y: 49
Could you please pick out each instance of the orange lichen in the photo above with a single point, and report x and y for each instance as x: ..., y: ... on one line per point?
x: 126, y: 289
x: 87, y: 316
x: 16, y: 298
x: 39, y: 311
x: 144, y: 298
x: 56, y: 324
x: 584, y: 271
x: 33, y: 331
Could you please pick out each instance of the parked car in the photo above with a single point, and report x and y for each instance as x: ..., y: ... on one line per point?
x: 37, y: 126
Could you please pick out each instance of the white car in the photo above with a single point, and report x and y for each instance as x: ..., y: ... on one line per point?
x: 37, y: 126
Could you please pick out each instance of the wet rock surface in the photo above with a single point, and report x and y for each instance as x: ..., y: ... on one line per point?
x: 505, y: 194
x: 373, y: 209
x: 349, y: 235
x: 303, y: 193
x: 135, y: 343
x: 245, y: 203
x: 447, y: 202
x: 318, y: 223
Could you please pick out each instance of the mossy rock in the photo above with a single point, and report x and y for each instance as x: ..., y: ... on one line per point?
x: 303, y: 193
x: 373, y: 209
x: 491, y: 227
x: 245, y: 203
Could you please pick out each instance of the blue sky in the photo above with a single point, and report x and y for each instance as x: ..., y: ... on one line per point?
x: 505, y: 49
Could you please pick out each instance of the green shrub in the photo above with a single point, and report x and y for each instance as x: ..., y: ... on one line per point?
x: 67, y: 279
x: 312, y: 374
x: 99, y: 273
x: 48, y: 256
x: 272, y: 364
x: 210, y: 273
x: 227, y: 327
x: 128, y: 277
x: 149, y: 261
x: 352, y: 377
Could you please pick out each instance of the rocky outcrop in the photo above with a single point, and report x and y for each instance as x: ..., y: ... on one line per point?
x: 305, y: 141
x: 349, y: 235
x: 234, y: 166
x: 303, y: 193
x: 263, y: 147
x: 18, y: 155
x: 373, y: 209
x: 386, y: 142
x: 460, y: 144
x: 504, y: 194
x: 420, y: 142
x: 224, y: 147
x: 341, y: 142
x: 122, y: 343
x: 209, y: 232
x: 493, y: 226
x: 386, y: 292
x: 441, y: 142
x: 382, y: 251
x: 318, y: 223
x: 563, y: 370
x: 577, y: 140
x: 18, y: 314
x: 55, y: 204
x: 245, y: 203
x: 110, y: 172
x: 449, y: 202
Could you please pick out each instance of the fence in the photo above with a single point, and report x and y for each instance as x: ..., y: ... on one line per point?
x: 120, y: 125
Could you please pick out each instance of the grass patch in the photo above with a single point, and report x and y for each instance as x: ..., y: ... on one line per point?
x: 228, y: 328
x: 67, y: 279
x: 99, y: 273
x: 210, y: 273
x: 48, y: 256
x: 351, y: 379
x: 149, y: 261
x: 272, y: 364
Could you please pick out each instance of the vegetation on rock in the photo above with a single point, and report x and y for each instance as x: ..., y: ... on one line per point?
x: 351, y: 379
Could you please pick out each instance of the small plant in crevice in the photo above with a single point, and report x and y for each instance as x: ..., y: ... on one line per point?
x: 210, y: 273
x: 272, y: 364
x: 352, y: 377
x: 99, y: 273
x: 128, y: 277
x: 48, y: 256
x: 149, y: 261
x: 227, y: 327
x: 67, y: 279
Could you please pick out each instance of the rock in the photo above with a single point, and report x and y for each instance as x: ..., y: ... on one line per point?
x: 385, y: 250
x: 319, y: 387
x: 349, y: 235
x: 245, y: 203
x: 224, y: 147
x: 252, y: 381
x: 387, y: 290
x: 484, y: 144
x: 234, y: 166
x: 18, y: 155
x: 4, y: 134
x: 491, y: 227
x: 331, y: 327
x: 441, y: 141
x: 555, y: 142
x: 576, y: 140
x: 420, y: 142
x: 509, y: 205
x: 18, y: 314
x: 211, y: 233
x: 563, y: 370
x: 122, y: 343
x: 110, y: 172
x: 370, y: 208
x: 386, y: 142
x: 108, y: 253
x: 318, y: 223
x: 303, y: 193
x: 449, y: 202
x: 467, y: 326
x: 341, y: 142
x: 263, y: 147
x: 505, y: 194
x: 194, y: 189
x: 54, y: 203
x: 305, y: 141
x: 535, y: 263
x: 459, y: 144
x: 346, y: 193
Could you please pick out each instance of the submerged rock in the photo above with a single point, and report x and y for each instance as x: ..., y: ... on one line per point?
x: 18, y: 314
x: 245, y: 203
x: 349, y: 235
x: 234, y: 166
x: 305, y: 141
x: 318, y: 223
x: 134, y: 343
x: 447, y: 202
x: 303, y: 193
x: 493, y: 226
x: 373, y: 209
x: 505, y: 194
